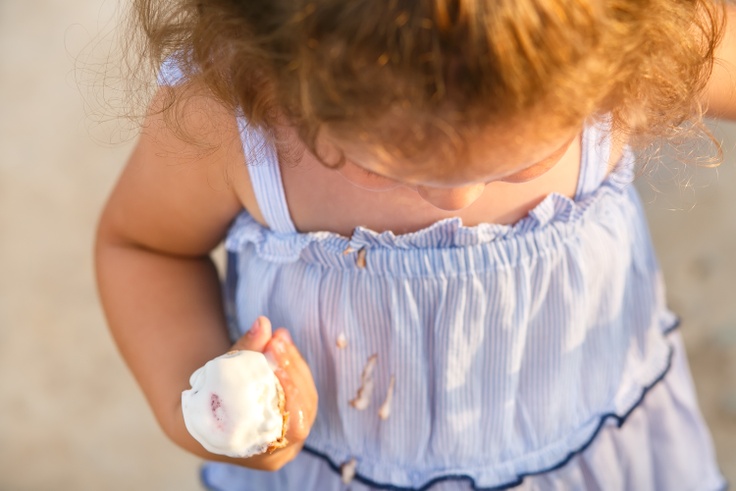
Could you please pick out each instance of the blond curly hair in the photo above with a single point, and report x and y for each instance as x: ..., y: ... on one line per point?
x: 400, y: 73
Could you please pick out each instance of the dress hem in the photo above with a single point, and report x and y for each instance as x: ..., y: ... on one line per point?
x: 603, y: 421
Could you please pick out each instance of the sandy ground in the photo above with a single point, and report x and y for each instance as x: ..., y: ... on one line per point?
x: 71, y: 416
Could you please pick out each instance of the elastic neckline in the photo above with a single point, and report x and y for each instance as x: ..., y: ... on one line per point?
x: 447, y: 247
x: 265, y: 173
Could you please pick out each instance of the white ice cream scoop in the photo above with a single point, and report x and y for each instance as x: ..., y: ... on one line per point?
x: 236, y: 405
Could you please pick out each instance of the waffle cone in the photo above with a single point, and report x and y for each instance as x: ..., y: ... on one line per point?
x: 281, y: 442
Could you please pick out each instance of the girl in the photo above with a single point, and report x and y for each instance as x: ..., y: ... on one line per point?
x: 433, y: 198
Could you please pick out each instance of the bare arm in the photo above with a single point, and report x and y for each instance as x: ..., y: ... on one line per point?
x: 159, y: 288
x: 720, y: 93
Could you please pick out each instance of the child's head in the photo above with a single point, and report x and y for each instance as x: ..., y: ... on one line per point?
x: 418, y: 78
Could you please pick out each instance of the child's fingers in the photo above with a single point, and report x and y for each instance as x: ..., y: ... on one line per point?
x: 296, y: 365
x: 302, y: 409
x: 296, y: 380
x: 256, y: 338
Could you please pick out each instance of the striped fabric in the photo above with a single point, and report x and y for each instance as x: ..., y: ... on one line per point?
x: 264, y: 175
x: 510, y: 347
x: 536, y: 356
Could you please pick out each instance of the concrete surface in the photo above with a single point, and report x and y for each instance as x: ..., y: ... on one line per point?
x: 71, y: 417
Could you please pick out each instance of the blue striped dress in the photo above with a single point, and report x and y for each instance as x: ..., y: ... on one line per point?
x: 532, y: 356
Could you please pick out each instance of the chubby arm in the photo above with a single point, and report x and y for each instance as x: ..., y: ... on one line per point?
x: 159, y: 288
x: 720, y: 93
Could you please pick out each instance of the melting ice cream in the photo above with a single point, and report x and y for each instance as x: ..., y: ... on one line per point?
x: 236, y: 405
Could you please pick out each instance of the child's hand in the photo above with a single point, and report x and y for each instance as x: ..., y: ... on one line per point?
x: 296, y: 380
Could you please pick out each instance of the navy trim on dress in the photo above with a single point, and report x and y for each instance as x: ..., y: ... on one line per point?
x: 520, y: 478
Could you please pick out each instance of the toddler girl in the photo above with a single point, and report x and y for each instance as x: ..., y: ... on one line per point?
x: 433, y: 199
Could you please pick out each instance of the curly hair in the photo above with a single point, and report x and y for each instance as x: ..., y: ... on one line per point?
x: 405, y: 72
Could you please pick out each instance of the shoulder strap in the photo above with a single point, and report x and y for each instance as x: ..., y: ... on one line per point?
x: 170, y: 74
x: 595, y: 154
x: 265, y: 176
x: 260, y: 157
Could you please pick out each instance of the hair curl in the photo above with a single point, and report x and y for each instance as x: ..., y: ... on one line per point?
x: 405, y: 72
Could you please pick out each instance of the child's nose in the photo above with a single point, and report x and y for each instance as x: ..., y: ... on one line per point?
x: 451, y: 199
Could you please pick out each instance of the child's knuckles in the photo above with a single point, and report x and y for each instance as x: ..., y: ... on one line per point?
x: 298, y: 367
x: 276, y: 352
x: 292, y: 392
x: 300, y: 424
x: 303, y: 377
x: 300, y: 434
x: 307, y: 395
x: 294, y: 353
x: 284, y: 379
x: 304, y: 387
x: 297, y: 370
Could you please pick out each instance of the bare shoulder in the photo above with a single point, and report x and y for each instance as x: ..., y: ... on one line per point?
x: 205, y: 130
x: 185, y: 181
x: 618, y: 144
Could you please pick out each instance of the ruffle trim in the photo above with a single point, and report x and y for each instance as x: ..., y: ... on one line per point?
x: 604, y: 419
x: 556, y: 214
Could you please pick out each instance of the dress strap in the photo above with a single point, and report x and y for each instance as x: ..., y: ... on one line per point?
x: 170, y: 74
x: 260, y: 156
x: 265, y: 176
x: 595, y: 154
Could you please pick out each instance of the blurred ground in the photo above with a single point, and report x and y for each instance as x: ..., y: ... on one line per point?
x: 71, y: 416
